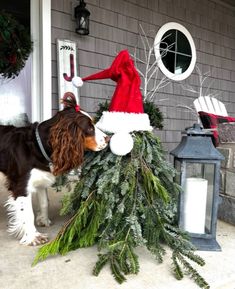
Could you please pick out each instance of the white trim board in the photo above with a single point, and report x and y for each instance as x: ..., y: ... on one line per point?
x: 41, y: 59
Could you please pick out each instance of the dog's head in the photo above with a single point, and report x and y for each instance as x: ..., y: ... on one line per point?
x: 72, y: 133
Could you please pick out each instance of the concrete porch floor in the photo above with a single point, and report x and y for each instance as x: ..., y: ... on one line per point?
x: 74, y: 271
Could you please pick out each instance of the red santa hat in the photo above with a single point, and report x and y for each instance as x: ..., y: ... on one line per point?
x: 126, y: 112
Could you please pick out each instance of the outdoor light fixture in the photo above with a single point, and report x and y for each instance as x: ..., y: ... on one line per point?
x: 82, y: 18
x: 197, y: 163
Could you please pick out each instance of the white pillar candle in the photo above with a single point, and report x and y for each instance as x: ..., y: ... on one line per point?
x: 195, y: 196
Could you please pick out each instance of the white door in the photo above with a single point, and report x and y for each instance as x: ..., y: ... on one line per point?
x: 15, y: 97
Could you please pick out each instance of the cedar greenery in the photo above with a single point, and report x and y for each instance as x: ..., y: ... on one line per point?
x: 122, y: 202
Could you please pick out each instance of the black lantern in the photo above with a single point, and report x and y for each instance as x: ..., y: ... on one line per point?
x: 82, y: 18
x: 197, y: 162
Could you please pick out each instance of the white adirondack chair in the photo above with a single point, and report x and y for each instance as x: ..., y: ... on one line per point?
x: 210, y: 105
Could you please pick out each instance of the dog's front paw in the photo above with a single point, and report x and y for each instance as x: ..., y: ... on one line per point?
x: 42, y: 221
x: 34, y: 240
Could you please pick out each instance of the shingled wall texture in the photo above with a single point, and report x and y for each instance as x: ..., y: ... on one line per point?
x: 114, y: 25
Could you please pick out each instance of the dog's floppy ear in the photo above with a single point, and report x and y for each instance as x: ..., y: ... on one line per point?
x: 67, y: 143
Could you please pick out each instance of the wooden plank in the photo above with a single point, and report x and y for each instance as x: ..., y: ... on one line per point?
x: 210, y: 105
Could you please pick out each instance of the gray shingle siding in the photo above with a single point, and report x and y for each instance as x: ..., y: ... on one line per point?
x: 114, y: 25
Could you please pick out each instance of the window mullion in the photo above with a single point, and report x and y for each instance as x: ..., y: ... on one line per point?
x: 176, y: 48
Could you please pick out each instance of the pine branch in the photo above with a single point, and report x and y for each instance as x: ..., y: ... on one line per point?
x: 176, y: 267
x: 102, y: 261
x: 199, y: 280
x: 116, y: 270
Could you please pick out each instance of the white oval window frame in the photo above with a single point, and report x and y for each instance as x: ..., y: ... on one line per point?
x: 176, y: 26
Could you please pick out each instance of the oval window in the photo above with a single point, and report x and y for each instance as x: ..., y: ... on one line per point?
x: 175, y: 51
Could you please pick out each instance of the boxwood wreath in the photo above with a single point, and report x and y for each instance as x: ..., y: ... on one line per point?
x: 15, y: 45
x: 123, y: 202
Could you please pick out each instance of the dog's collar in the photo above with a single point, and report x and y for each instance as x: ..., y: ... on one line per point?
x: 41, y: 146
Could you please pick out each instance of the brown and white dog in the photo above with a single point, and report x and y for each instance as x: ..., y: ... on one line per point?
x: 31, y: 157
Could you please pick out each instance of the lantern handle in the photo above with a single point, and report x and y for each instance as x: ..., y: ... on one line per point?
x: 197, y: 129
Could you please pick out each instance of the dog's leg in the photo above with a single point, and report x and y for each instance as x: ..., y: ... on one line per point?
x: 42, y: 214
x: 21, y: 221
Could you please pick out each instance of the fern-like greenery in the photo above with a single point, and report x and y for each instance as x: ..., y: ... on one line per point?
x: 122, y: 202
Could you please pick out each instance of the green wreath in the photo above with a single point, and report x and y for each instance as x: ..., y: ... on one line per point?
x: 15, y: 45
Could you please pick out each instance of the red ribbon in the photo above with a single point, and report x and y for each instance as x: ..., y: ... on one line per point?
x: 77, y: 108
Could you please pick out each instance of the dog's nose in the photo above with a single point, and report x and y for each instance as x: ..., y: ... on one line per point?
x: 107, y: 138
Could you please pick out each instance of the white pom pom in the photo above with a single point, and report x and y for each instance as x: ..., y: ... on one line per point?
x: 77, y: 81
x: 121, y: 143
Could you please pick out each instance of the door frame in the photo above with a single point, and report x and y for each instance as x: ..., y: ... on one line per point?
x: 40, y: 15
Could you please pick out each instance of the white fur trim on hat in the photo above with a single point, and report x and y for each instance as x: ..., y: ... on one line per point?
x: 77, y: 81
x: 113, y: 122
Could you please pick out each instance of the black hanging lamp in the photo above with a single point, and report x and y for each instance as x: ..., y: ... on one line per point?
x: 82, y: 18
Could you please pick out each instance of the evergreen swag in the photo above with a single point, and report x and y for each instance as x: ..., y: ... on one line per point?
x: 15, y: 45
x: 122, y: 202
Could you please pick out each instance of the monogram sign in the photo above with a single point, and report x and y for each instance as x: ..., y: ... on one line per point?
x: 67, y: 67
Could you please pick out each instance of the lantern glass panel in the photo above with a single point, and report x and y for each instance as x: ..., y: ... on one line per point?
x: 83, y: 25
x: 178, y: 171
x: 197, y: 180
x: 203, y: 171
